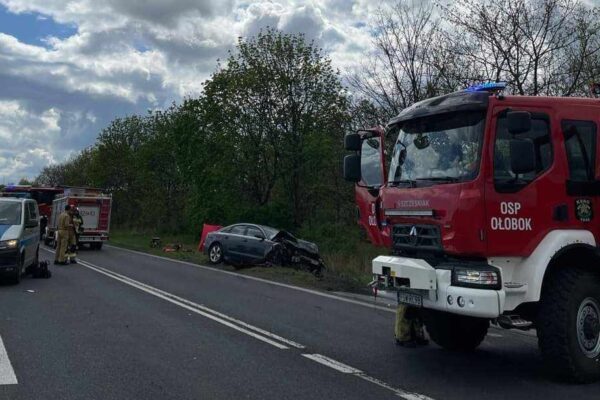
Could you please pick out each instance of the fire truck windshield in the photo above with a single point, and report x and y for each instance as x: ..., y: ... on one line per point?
x: 438, y: 149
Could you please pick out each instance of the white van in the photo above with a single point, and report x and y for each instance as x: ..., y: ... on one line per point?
x: 19, y: 236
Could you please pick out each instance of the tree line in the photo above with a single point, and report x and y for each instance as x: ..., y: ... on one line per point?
x: 263, y: 142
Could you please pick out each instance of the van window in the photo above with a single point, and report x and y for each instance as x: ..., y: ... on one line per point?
x: 10, y: 213
x: 32, y: 213
x: 580, y: 145
x: 505, y: 180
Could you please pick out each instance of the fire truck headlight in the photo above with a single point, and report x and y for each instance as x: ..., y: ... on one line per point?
x: 481, y: 278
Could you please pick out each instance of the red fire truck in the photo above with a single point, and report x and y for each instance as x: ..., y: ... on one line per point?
x: 43, y: 195
x: 94, y: 207
x: 490, y: 206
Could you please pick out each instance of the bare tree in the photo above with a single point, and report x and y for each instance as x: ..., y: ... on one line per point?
x: 539, y: 46
x: 401, y: 69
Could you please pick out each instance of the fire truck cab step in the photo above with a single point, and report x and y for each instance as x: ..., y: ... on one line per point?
x: 514, y: 322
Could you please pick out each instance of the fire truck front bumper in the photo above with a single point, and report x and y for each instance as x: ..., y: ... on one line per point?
x: 467, y: 288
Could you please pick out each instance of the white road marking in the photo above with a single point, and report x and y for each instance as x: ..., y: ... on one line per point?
x: 331, y: 363
x: 301, y: 289
x: 7, y: 373
x: 196, y: 308
x: 346, y: 369
x: 224, y: 319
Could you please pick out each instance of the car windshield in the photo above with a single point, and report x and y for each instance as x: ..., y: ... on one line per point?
x: 10, y: 213
x: 443, y: 148
x: 270, y: 232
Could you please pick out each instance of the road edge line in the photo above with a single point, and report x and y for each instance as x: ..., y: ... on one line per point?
x: 349, y: 370
x: 7, y: 372
x: 155, y: 292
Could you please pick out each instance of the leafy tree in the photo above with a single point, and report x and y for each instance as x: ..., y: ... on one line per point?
x: 278, y: 111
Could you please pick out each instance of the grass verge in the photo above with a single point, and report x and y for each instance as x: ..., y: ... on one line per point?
x: 348, y: 267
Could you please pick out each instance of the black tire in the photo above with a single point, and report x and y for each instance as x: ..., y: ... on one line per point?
x: 97, y: 246
x: 16, y: 279
x: 455, y: 332
x: 277, y: 257
x: 568, y: 325
x: 36, y: 260
x: 215, y: 253
x: 34, y: 265
x: 47, y: 241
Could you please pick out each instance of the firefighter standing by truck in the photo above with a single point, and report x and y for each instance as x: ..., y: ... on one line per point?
x: 62, y: 241
x: 73, y: 236
x: 77, y: 230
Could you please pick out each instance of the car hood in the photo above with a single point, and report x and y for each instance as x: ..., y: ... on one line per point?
x: 307, y: 246
x: 304, y: 245
x: 9, y: 232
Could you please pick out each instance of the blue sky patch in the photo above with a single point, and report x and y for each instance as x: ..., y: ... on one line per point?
x: 33, y: 28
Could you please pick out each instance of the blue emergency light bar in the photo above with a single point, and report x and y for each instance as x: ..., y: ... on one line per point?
x: 487, y: 87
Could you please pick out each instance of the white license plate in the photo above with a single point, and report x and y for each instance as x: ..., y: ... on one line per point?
x: 410, y: 299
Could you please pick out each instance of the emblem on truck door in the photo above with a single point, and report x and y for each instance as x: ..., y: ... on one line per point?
x: 413, y: 236
x: 583, y: 210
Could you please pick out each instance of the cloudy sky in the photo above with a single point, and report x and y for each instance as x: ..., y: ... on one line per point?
x: 68, y: 67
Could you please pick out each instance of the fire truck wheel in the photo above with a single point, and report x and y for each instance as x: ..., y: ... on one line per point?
x: 215, y: 253
x: 568, y: 324
x: 455, y: 332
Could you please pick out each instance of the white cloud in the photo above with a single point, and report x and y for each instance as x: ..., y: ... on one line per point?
x: 128, y: 56
x: 26, y: 139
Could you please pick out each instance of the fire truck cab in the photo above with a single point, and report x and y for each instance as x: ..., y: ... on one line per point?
x: 490, y: 206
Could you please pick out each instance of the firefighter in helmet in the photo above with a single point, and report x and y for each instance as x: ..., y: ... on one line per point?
x: 408, y: 329
x: 62, y: 236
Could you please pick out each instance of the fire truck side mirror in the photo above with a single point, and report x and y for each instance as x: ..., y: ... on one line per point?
x: 352, y: 168
x: 518, y: 122
x: 352, y: 142
x: 522, y: 156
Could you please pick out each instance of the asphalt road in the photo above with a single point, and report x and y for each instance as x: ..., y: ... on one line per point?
x: 123, y: 325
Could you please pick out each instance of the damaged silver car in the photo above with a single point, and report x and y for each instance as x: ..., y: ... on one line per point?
x: 243, y: 244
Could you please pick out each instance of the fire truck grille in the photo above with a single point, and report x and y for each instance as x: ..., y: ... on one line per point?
x: 416, y: 237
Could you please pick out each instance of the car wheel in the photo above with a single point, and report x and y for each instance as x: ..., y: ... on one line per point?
x: 277, y: 257
x: 30, y: 268
x: 18, y: 271
x: 215, y: 253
